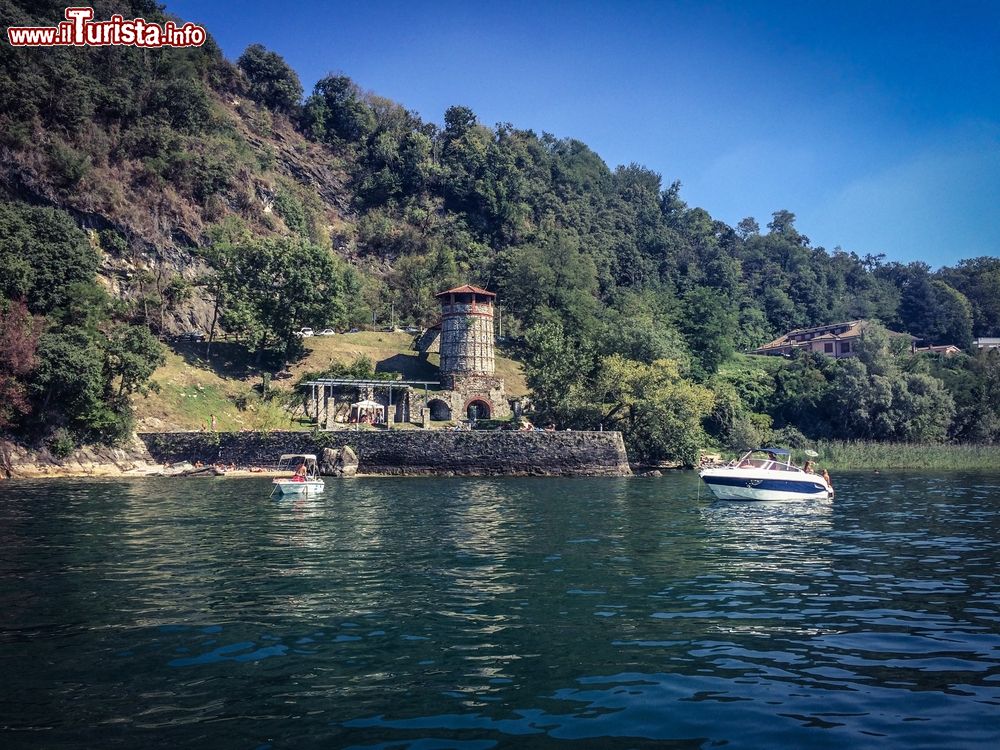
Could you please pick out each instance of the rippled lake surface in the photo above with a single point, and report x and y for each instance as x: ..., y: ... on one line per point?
x: 480, y: 613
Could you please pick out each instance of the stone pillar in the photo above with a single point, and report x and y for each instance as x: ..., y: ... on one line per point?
x: 329, y: 414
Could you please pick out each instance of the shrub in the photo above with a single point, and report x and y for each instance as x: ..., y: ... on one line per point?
x: 69, y: 166
x: 61, y: 444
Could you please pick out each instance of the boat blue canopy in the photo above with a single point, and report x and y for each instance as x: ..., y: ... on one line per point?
x: 777, y: 451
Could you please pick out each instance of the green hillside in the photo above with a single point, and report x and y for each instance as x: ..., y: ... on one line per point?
x: 144, y: 193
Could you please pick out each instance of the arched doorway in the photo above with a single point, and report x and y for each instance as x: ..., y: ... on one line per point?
x: 440, y: 411
x: 478, y: 409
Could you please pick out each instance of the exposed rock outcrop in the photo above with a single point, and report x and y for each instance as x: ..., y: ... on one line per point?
x: 338, y: 463
x: 131, y: 459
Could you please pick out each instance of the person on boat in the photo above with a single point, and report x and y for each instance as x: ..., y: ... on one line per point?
x: 810, y: 467
x: 300, y: 474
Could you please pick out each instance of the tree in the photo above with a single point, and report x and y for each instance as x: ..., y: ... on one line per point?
x: 557, y: 368
x: 42, y: 254
x: 861, y: 402
x: 917, y: 300
x: 732, y: 422
x: 800, y: 393
x: 457, y: 121
x: 271, y: 287
x: 783, y: 223
x: 640, y: 327
x: 707, y: 322
x: 922, y: 409
x: 552, y: 274
x: 272, y: 82
x: 747, y: 227
x: 973, y: 382
x: 173, y: 294
x: 951, y: 320
x: 68, y: 385
x: 658, y: 411
x: 18, y: 334
x: 132, y: 355
x: 417, y: 282
x: 781, y: 311
x: 872, y: 397
x: 979, y: 280
x: 336, y: 113
x: 415, y: 163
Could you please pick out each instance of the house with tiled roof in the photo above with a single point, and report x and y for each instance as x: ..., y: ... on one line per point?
x: 833, y: 340
x: 947, y: 350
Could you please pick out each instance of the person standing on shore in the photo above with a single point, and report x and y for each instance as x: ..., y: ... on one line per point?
x: 214, y: 423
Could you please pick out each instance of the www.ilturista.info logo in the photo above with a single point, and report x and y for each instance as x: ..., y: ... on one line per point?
x: 79, y: 30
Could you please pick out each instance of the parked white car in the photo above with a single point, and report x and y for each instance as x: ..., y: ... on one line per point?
x: 327, y: 332
x: 305, y: 332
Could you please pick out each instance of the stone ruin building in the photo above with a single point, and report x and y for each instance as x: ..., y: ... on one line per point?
x: 469, y: 385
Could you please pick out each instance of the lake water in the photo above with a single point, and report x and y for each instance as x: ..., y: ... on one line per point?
x: 481, y: 613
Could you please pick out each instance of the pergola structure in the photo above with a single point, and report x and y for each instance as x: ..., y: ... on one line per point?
x: 324, y: 387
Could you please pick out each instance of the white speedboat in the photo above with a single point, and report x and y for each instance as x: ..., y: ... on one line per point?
x: 305, y: 481
x: 765, y: 474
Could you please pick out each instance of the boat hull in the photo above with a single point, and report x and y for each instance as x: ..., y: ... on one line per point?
x: 288, y: 487
x: 757, y: 485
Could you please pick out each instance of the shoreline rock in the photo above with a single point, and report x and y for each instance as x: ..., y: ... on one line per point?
x: 132, y: 459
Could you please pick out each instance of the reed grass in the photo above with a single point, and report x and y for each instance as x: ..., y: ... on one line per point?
x: 840, y: 455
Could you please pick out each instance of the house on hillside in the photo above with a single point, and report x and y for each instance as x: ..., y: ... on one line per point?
x: 833, y: 340
x: 948, y: 350
x: 986, y: 343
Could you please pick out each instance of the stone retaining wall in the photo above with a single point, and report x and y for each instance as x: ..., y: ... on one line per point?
x: 443, y: 452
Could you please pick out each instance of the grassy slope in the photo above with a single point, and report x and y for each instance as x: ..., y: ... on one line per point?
x: 191, y: 391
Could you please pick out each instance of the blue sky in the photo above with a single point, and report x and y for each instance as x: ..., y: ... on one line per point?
x: 877, y: 123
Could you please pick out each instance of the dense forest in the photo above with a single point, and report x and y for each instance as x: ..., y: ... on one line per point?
x: 144, y: 191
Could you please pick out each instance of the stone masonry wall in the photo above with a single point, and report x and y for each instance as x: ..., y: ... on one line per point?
x: 467, y: 342
x: 441, y: 452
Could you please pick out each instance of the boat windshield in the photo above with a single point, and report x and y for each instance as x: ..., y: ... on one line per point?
x: 764, y: 463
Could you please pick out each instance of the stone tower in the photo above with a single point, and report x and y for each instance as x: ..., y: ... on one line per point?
x: 468, y: 366
x: 466, y: 331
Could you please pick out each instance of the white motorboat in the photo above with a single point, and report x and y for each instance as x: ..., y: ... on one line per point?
x: 766, y: 474
x: 305, y: 481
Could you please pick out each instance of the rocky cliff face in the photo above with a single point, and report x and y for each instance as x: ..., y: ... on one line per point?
x: 159, y: 228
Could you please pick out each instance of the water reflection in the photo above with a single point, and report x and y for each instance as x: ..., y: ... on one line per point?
x: 479, y: 613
